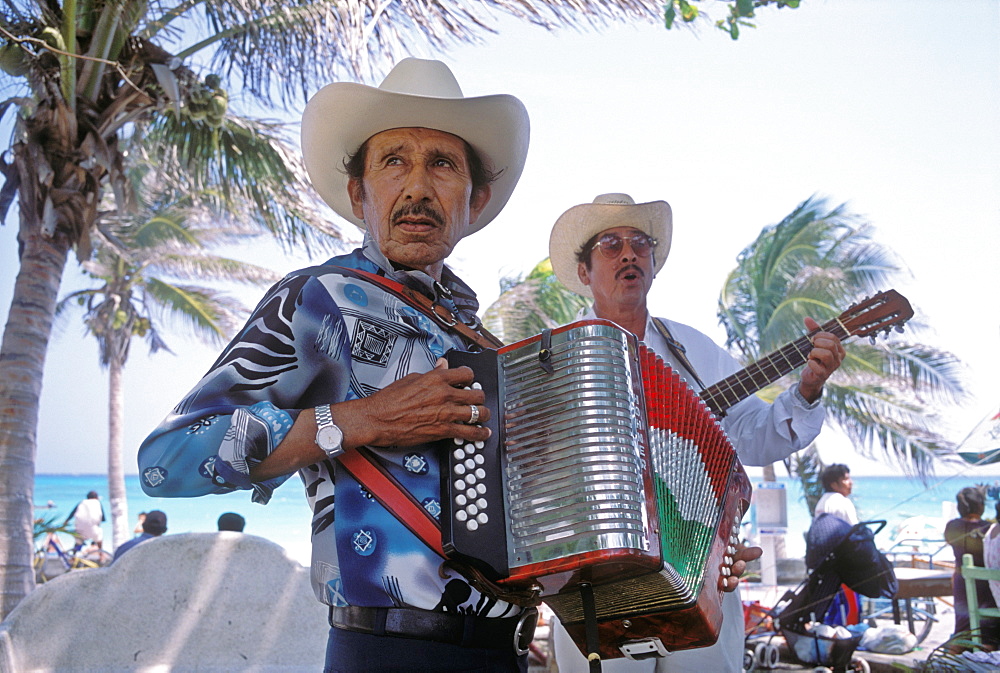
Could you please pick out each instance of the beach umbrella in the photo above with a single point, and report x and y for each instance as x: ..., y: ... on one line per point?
x: 982, y: 445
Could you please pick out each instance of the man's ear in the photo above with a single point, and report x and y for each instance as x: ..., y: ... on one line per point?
x: 356, y: 191
x: 480, y: 197
x: 582, y: 273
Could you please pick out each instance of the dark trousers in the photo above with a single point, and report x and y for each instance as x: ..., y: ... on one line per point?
x: 353, y: 652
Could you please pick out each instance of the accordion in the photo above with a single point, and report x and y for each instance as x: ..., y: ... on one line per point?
x: 604, y: 469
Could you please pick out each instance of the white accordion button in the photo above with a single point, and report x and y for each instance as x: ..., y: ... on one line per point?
x: 460, y: 500
x: 481, y: 488
x: 460, y: 469
x: 461, y: 515
x: 476, y: 385
x: 481, y: 503
x: 472, y: 524
x: 483, y: 519
x: 459, y: 485
x: 480, y: 472
x: 459, y: 454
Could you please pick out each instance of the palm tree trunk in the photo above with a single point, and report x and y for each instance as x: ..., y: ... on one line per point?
x: 22, y: 361
x: 116, y: 470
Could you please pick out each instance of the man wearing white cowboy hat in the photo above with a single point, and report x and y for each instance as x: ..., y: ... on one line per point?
x: 337, y: 374
x: 611, y: 250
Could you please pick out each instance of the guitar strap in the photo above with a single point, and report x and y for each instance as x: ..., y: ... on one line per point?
x: 677, y: 348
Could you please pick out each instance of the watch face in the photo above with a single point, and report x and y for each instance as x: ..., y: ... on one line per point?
x: 330, y: 438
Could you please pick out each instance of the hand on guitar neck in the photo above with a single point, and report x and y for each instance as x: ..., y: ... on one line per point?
x: 825, y: 357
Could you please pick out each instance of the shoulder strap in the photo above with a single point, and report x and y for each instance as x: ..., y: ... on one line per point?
x: 677, y: 348
x: 425, y: 305
x: 384, y: 488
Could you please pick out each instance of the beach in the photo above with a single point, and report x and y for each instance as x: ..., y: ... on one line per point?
x: 286, y: 519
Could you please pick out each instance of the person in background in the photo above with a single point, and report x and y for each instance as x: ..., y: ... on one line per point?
x: 88, y: 515
x: 965, y: 535
x: 154, y: 525
x: 231, y: 521
x: 611, y: 250
x: 138, y: 524
x: 837, y: 486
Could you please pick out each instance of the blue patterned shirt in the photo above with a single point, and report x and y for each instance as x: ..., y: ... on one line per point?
x: 319, y: 337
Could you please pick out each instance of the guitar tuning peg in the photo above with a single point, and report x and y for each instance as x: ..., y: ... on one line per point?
x: 871, y: 340
x: 899, y: 328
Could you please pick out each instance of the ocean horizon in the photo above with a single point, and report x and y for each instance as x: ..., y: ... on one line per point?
x: 286, y: 519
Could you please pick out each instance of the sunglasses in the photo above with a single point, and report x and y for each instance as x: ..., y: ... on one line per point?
x: 611, y: 245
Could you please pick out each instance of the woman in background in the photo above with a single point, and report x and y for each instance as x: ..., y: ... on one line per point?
x: 965, y: 535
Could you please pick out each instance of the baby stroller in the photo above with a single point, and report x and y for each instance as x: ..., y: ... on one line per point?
x: 836, y: 553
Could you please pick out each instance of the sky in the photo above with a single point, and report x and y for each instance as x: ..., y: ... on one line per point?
x: 889, y: 106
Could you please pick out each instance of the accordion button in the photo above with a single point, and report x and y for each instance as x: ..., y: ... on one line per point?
x: 459, y: 485
x: 459, y: 454
x: 472, y: 524
x: 480, y: 445
x: 459, y: 441
x: 460, y: 500
x: 479, y: 459
x: 725, y: 572
x: 481, y: 473
x: 472, y: 509
x: 470, y: 494
x: 481, y: 503
x: 460, y: 469
x: 483, y: 519
x: 481, y: 488
x: 476, y: 385
x: 730, y: 550
x: 469, y: 464
x: 728, y: 560
x: 461, y: 515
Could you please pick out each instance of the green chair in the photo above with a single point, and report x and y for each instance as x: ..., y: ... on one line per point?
x: 971, y: 573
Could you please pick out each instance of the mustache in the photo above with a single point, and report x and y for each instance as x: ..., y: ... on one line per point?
x: 418, y: 209
x: 625, y: 269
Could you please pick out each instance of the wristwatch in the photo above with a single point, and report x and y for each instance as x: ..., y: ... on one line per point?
x: 329, y: 437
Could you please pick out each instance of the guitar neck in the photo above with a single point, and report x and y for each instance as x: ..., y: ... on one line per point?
x: 744, y: 383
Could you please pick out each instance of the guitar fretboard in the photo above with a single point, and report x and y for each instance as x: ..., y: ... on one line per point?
x: 744, y: 383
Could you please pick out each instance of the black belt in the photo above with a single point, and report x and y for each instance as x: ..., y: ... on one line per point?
x: 442, y: 627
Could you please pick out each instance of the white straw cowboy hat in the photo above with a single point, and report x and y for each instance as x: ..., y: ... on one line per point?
x: 581, y: 223
x: 415, y: 93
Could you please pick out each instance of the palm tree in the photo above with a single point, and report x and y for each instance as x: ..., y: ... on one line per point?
x: 527, y: 305
x: 816, y: 262
x: 137, y: 264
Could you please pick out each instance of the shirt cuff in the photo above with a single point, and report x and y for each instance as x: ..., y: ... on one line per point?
x: 802, y: 401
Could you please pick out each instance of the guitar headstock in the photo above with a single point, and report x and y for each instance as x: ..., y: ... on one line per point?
x: 879, y: 313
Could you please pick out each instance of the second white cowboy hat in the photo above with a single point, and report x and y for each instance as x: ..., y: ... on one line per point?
x: 415, y: 93
x: 581, y: 223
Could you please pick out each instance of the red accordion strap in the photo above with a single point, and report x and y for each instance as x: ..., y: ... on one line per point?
x: 384, y: 488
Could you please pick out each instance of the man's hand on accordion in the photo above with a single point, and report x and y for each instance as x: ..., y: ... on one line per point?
x: 744, y: 555
x: 417, y: 409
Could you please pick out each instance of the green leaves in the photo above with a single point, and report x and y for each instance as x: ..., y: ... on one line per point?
x: 817, y: 262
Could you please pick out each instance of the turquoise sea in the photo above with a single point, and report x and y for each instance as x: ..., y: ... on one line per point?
x: 286, y: 519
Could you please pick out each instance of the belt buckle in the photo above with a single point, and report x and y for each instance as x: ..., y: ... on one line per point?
x: 524, y: 632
